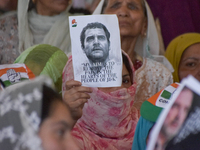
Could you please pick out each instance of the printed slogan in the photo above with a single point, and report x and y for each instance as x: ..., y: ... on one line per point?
x: 101, y: 73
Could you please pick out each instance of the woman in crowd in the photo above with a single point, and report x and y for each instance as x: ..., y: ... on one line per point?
x: 34, y: 117
x: 184, y: 55
x: 35, y: 22
x: 104, y: 118
x: 139, y: 38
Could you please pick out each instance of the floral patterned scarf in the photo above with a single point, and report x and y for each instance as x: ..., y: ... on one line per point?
x: 109, y: 119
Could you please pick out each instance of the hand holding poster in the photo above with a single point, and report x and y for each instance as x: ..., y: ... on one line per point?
x: 178, y: 126
x: 96, y: 50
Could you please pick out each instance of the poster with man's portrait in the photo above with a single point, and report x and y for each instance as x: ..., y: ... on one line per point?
x: 96, y: 50
x: 178, y: 126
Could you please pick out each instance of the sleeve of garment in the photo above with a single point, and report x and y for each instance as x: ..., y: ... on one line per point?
x: 8, y: 38
x: 150, y: 78
x: 141, y: 133
x: 165, y: 79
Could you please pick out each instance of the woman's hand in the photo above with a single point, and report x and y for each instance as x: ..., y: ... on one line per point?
x: 75, y: 97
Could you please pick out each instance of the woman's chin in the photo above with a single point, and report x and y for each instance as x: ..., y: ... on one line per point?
x: 125, y: 33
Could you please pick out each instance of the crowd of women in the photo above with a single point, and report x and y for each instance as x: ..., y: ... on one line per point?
x: 34, y: 115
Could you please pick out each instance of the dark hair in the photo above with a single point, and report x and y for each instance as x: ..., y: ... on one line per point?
x: 144, y: 8
x: 128, y: 66
x: 74, y: 10
x: 104, y: 6
x: 94, y: 25
x: 31, y: 5
x: 49, y: 98
x: 142, y: 2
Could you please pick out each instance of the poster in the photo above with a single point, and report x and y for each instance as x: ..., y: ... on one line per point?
x: 178, y: 126
x: 96, y: 50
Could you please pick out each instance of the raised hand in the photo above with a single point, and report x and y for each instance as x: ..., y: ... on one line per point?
x: 75, y: 97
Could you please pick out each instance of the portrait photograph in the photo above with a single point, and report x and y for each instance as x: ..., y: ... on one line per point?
x: 96, y: 50
x: 178, y: 127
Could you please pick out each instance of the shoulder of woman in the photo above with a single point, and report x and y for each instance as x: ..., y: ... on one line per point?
x: 155, y: 65
x: 9, y: 37
x: 153, y: 69
x: 8, y: 21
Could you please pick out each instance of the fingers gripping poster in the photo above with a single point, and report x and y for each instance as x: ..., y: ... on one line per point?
x: 96, y: 50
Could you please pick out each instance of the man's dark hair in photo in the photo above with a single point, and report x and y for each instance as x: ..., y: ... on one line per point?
x: 94, y: 25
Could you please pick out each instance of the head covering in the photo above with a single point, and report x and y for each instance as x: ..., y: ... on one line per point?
x: 44, y: 59
x: 147, y: 46
x: 14, y: 73
x: 150, y: 110
x: 20, y: 115
x: 108, y: 120
x: 176, y: 48
x: 57, y: 35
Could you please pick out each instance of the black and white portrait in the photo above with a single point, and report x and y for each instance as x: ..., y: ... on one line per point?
x: 95, y: 42
x: 96, y: 50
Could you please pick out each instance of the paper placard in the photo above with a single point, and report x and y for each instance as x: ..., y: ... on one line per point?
x: 96, y: 50
x: 178, y: 126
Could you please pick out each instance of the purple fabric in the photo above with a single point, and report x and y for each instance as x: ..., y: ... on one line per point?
x: 176, y: 17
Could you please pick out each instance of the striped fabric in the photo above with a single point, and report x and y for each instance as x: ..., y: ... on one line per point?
x: 14, y: 73
x: 151, y: 108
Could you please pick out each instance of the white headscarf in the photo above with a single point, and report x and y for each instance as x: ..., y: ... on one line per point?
x: 57, y: 35
x: 148, y: 46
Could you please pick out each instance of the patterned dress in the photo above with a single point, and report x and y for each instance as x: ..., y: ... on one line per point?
x: 8, y: 38
x: 150, y: 78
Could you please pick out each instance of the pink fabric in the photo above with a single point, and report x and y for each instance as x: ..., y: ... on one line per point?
x: 109, y: 119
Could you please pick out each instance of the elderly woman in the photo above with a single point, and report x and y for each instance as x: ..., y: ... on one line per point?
x: 139, y: 40
x: 184, y: 55
x: 35, y: 22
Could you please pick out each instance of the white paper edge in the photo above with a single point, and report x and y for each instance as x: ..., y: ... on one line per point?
x: 191, y: 83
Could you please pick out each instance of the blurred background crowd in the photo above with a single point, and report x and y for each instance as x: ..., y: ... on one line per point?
x: 176, y: 16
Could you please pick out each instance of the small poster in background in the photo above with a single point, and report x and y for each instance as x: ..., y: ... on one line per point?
x: 96, y: 50
x: 178, y: 126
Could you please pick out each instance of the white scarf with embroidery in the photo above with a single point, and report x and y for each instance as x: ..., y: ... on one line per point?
x: 36, y: 29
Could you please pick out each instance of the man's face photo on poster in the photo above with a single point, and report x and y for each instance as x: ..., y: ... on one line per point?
x: 95, y: 42
x: 96, y: 50
x: 178, y: 125
x: 177, y: 113
x: 175, y: 118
